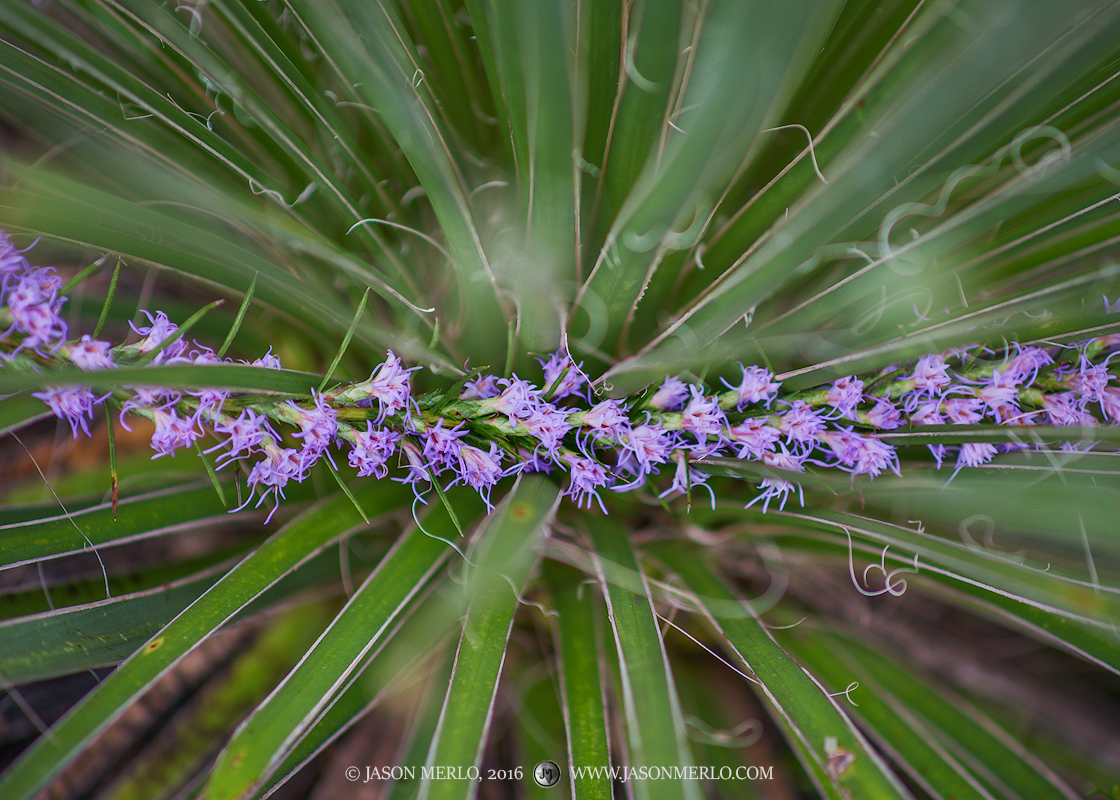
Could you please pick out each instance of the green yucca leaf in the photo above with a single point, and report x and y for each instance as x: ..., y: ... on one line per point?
x: 1060, y: 595
x: 902, y: 732
x: 108, y: 631
x: 825, y: 739
x: 137, y: 517
x: 505, y: 554
x: 994, y: 757
x: 401, y: 665
x: 285, y: 551
x: 581, y: 681
x: 20, y: 409
x: 287, y: 714
x: 649, y: 698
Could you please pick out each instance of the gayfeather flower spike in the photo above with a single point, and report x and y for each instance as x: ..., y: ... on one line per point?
x: 496, y: 427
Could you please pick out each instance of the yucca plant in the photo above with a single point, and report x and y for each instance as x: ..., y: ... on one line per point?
x: 712, y: 398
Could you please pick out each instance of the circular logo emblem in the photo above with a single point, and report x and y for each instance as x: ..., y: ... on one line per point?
x: 546, y: 773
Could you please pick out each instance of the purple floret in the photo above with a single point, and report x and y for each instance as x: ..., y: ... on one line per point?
x: 672, y: 393
x: 574, y: 379
x: 154, y: 334
x: 518, y: 400
x: 644, y: 447
x: 686, y: 478
x: 281, y: 465
x: 587, y: 476
x: 754, y: 437
x: 480, y: 469
x: 441, y: 446
x: 548, y: 425
x: 12, y: 262
x: 779, y: 487
x: 246, y: 434
x: 757, y: 386
x: 90, y: 354
x: 702, y: 417
x: 173, y: 432
x: 482, y: 388
x: 372, y: 450
x: 390, y: 387
x: 801, y: 425
x: 71, y: 403
x: 845, y: 394
x: 318, y: 428
x: 606, y: 420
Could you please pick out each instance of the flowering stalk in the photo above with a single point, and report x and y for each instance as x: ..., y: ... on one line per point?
x: 497, y: 427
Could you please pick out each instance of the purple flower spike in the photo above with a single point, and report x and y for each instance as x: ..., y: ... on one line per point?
x: 372, y: 450
x: 681, y: 424
x: 758, y: 386
x: 71, y: 403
